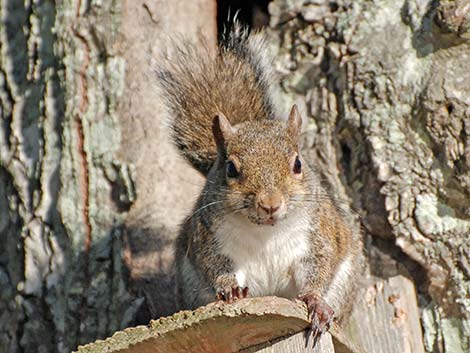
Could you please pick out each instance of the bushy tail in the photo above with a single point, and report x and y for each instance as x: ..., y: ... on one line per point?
x: 197, y: 83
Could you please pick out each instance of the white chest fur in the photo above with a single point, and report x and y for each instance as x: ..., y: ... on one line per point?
x: 266, y: 258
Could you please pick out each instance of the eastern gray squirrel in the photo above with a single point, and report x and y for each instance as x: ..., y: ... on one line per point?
x: 264, y: 224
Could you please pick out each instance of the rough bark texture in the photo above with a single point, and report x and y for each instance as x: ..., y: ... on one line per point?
x: 386, y: 85
x: 71, y: 92
x: 60, y: 260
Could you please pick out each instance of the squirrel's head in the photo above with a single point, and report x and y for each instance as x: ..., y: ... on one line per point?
x: 259, y: 166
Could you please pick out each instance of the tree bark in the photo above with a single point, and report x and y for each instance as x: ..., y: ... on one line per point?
x: 71, y: 92
x: 386, y: 86
x: 62, y: 277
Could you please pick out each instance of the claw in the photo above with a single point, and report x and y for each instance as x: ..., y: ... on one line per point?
x: 321, y: 313
x: 236, y: 292
x: 230, y: 294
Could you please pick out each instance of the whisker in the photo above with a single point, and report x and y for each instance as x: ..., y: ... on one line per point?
x: 205, y: 206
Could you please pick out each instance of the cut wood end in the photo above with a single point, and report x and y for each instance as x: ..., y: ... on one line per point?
x: 217, y: 327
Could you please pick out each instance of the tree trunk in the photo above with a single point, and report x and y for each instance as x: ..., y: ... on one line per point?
x: 386, y: 87
x: 72, y: 89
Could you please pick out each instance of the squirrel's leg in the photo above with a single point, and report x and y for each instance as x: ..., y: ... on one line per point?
x: 314, y: 282
x: 341, y: 291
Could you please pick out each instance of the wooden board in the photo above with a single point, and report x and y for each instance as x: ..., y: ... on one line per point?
x: 386, y: 318
x: 217, y: 327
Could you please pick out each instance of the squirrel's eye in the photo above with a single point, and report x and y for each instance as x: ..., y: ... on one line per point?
x: 231, y: 170
x: 297, y: 166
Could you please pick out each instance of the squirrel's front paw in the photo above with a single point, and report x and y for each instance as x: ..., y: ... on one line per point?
x: 229, y: 294
x: 321, y: 313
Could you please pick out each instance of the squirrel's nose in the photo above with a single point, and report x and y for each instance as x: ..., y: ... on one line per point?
x: 269, y: 204
x: 269, y: 209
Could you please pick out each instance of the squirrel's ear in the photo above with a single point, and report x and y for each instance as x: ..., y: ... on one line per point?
x: 221, y: 129
x: 294, y: 123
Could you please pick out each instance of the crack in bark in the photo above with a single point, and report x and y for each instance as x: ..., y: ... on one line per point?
x: 84, y: 183
x: 84, y: 180
x: 83, y: 105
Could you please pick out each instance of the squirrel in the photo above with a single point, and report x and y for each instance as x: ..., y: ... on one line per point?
x: 264, y: 224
